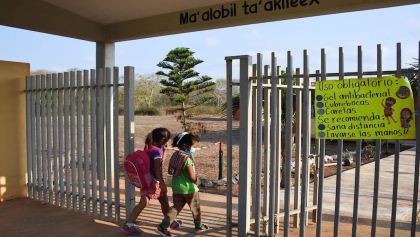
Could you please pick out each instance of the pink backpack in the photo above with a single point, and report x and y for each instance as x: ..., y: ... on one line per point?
x: 137, y: 168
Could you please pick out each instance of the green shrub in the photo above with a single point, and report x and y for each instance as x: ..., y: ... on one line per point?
x: 235, y: 105
x: 150, y: 111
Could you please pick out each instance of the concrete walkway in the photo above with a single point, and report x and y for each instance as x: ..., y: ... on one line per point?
x: 405, y: 189
x: 25, y: 217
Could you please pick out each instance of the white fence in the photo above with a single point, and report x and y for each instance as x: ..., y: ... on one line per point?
x: 270, y: 102
x: 73, y: 139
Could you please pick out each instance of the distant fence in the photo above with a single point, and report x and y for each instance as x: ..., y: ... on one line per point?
x: 73, y: 139
x: 272, y: 101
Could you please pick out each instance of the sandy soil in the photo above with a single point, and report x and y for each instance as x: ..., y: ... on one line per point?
x: 207, y: 157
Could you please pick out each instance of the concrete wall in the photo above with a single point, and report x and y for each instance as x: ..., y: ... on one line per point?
x: 12, y: 130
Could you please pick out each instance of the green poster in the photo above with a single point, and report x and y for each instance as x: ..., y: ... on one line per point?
x: 368, y: 108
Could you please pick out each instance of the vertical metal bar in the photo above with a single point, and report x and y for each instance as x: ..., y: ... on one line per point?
x: 273, y: 145
x: 108, y: 139
x: 396, y: 160
x: 28, y: 95
x: 100, y: 138
x: 49, y: 150
x: 288, y: 143
x: 39, y: 136
x: 60, y: 138
x: 253, y: 139
x: 278, y: 149
x: 266, y: 141
x: 258, y: 146
x: 316, y: 160
x: 309, y: 143
x: 93, y: 141
x: 305, y: 148
x: 116, y: 145
x: 86, y: 137
x: 339, y: 155
x: 320, y: 189
x: 44, y: 139
x: 55, y: 141
x: 377, y: 156
x: 66, y: 137
x: 417, y: 162
x: 73, y: 138
x: 358, y: 156
x: 229, y: 114
x: 129, y: 131
x: 33, y: 136
x: 298, y: 147
x: 245, y: 149
x: 79, y: 140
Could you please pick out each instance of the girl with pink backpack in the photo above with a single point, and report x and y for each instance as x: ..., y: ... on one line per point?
x: 154, y: 189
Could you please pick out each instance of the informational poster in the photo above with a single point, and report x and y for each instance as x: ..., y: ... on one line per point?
x: 368, y: 108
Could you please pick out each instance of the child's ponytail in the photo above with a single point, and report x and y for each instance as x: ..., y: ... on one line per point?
x: 149, y: 140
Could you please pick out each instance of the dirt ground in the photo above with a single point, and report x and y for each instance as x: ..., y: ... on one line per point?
x: 207, y: 157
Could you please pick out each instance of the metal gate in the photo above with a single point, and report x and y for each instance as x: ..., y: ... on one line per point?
x: 73, y: 152
x: 271, y: 101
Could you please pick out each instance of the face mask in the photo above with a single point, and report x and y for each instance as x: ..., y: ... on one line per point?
x: 192, y: 150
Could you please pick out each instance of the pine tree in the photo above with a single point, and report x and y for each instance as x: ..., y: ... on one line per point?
x: 182, y: 84
x: 413, y: 78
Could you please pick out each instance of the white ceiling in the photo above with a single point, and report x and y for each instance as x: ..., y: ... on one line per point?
x: 113, y: 11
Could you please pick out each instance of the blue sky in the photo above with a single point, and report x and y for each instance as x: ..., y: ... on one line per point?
x: 367, y: 28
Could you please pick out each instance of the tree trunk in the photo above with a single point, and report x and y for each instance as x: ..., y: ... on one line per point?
x: 183, y: 115
x: 149, y: 101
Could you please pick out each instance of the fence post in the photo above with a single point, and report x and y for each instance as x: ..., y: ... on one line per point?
x: 245, y: 149
x: 109, y: 140
x: 306, y: 120
x: 79, y: 139
x: 220, y: 159
x: 93, y: 141
x: 339, y: 156
x: 116, y: 145
x: 266, y: 141
x: 298, y: 146
x: 86, y: 137
x: 274, y: 132
x: 54, y: 96
x: 320, y: 165
x: 378, y: 154
x: 229, y: 125
x: 129, y: 129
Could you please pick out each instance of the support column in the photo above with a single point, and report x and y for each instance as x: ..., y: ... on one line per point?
x: 105, y: 55
x: 105, y: 62
x: 13, y: 156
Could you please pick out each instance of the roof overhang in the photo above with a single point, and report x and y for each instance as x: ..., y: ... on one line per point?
x: 116, y: 20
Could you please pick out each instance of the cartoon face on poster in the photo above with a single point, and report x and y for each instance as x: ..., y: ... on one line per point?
x: 368, y: 108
